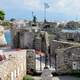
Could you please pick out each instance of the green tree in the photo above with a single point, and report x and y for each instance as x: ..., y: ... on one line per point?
x: 28, y: 77
x: 12, y: 19
x: 2, y: 15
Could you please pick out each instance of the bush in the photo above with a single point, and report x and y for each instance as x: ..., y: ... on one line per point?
x: 28, y: 77
x: 2, y: 15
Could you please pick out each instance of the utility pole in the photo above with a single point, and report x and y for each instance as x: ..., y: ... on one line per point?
x: 45, y: 8
x: 44, y: 14
x: 32, y: 14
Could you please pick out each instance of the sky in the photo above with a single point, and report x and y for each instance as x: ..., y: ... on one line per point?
x: 59, y: 10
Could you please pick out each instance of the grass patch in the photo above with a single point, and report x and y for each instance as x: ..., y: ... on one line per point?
x: 28, y: 77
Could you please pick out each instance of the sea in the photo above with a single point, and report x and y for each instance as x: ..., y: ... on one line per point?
x: 8, y: 37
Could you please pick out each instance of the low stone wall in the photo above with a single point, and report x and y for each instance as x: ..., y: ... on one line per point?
x: 14, y: 67
x: 68, y: 59
x: 66, y: 56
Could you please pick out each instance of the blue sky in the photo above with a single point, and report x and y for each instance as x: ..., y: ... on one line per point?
x: 59, y: 9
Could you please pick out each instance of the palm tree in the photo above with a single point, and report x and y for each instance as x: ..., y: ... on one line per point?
x: 2, y: 15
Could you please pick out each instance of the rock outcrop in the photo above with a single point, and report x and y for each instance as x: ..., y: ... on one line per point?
x: 2, y: 36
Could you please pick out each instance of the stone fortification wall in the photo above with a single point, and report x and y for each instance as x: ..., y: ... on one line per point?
x: 14, y: 67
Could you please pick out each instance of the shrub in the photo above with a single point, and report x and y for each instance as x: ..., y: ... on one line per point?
x: 28, y: 77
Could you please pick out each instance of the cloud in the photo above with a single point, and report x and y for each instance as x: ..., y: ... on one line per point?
x: 33, y: 4
x: 11, y: 4
x: 65, y: 7
x: 71, y: 7
x: 55, y: 5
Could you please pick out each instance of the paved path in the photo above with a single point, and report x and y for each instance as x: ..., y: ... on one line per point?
x: 60, y: 78
x: 40, y: 65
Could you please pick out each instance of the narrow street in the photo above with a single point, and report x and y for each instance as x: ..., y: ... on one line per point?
x: 60, y: 78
